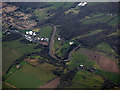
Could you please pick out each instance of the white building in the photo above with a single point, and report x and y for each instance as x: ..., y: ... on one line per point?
x: 71, y: 43
x: 34, y: 34
x: 27, y: 32
x: 82, y: 4
x: 30, y: 32
x: 59, y: 39
x: 42, y: 39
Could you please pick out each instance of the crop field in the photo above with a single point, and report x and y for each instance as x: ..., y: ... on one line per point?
x: 84, y: 79
x: 45, y: 31
x: 29, y: 77
x: 15, y: 49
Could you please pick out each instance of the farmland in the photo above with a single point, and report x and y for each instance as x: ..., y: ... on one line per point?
x: 71, y: 46
x: 14, y: 50
x: 84, y: 79
x: 31, y: 74
x: 78, y: 59
x: 106, y: 48
x: 99, y: 18
x: 45, y: 31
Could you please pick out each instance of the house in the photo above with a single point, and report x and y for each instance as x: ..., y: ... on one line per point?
x: 46, y: 39
x: 59, y: 39
x: 30, y: 32
x: 17, y: 66
x: 82, y: 4
x: 27, y: 32
x: 34, y: 34
x: 70, y: 43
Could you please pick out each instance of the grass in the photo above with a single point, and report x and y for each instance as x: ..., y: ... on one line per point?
x: 68, y: 4
x: 94, y: 3
x: 63, y: 48
x: 45, y: 31
x: 84, y: 79
x: 114, y: 21
x: 82, y: 59
x: 88, y: 34
x: 5, y: 86
x: 9, y: 56
x: 56, y: 5
x: 115, y: 33
x: 41, y: 13
x: 24, y: 80
x: 47, y: 67
x: 13, y: 50
x: 30, y: 77
x: 36, y: 30
x: 114, y: 77
x: 93, y: 19
x: 78, y: 59
x: 72, y: 10
x: 106, y: 48
x: 21, y: 48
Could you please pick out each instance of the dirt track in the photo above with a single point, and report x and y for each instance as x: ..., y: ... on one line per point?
x: 52, y: 84
x: 104, y: 62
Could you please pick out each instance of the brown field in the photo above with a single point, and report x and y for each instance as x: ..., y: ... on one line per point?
x: 8, y: 9
x: 32, y: 61
x: 104, y: 62
x: 52, y: 84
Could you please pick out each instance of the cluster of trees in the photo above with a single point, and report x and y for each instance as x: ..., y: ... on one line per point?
x: 12, y: 36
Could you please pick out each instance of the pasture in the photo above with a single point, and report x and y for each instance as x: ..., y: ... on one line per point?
x: 106, y: 48
x: 78, y: 59
x: 99, y: 18
x: 84, y: 79
x: 45, y: 31
x: 13, y: 50
x: 30, y: 77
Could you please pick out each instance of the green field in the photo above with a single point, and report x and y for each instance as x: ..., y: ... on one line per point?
x: 68, y: 4
x: 45, y: 31
x: 29, y: 77
x: 106, y: 48
x: 5, y: 86
x: 56, y: 5
x: 114, y: 77
x: 9, y: 56
x: 114, y: 21
x: 93, y: 19
x: 13, y: 50
x: 47, y: 67
x: 84, y: 79
x: 88, y: 34
x: 41, y: 13
x: 78, y: 59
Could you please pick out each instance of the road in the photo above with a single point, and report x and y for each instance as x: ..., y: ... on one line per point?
x: 51, y: 43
